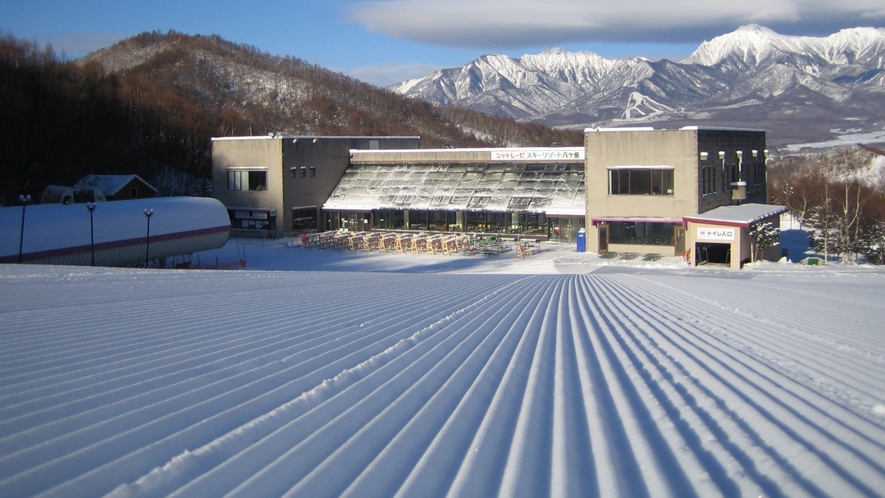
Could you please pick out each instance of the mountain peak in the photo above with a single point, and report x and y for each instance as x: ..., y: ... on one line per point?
x: 552, y: 51
x: 751, y: 42
x: 751, y: 73
x: 755, y: 29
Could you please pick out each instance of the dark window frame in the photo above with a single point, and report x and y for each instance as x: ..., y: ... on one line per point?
x: 241, y: 180
x: 641, y: 181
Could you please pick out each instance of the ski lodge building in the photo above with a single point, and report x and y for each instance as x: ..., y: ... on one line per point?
x: 627, y: 190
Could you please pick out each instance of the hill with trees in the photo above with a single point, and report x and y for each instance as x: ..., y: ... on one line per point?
x: 150, y: 104
x: 839, y: 195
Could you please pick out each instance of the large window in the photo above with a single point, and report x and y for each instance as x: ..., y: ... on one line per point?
x: 247, y: 180
x: 641, y: 233
x: 304, y: 219
x: 640, y: 181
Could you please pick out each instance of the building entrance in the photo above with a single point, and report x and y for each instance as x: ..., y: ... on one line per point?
x: 709, y: 253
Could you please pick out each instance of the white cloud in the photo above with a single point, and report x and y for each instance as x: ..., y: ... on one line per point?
x: 503, y: 23
x: 390, y: 73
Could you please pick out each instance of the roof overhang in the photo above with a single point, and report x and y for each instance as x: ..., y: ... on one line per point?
x: 742, y: 215
x: 343, y: 208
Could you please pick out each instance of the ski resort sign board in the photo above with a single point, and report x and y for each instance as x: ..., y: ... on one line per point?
x: 551, y: 154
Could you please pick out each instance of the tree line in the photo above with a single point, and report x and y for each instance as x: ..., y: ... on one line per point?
x: 61, y: 121
x: 839, y: 196
x: 150, y: 104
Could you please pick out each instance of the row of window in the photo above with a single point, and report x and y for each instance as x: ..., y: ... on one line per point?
x: 637, y: 181
x: 302, y: 171
x: 632, y: 181
x: 439, y: 220
x: 716, y: 178
x: 247, y: 180
x: 256, y: 180
x: 640, y: 233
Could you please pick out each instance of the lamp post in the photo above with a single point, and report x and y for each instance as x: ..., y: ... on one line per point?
x: 91, y: 207
x: 24, y: 200
x: 147, y: 252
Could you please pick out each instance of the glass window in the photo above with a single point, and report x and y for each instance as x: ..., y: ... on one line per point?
x: 628, y: 181
x: 304, y: 219
x: 641, y: 233
x: 257, y: 180
x: 235, y: 180
x: 247, y: 180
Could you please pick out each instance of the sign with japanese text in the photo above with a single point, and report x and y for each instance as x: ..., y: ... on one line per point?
x: 716, y: 233
x: 538, y: 154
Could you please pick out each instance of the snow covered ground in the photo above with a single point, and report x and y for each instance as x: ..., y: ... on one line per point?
x: 379, y: 375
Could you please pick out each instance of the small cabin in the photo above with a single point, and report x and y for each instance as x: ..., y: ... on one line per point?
x: 119, y: 187
x: 58, y: 194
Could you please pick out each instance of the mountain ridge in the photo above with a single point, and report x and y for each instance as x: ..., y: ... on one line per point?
x: 802, y: 89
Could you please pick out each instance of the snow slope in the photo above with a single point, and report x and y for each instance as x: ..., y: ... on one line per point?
x: 573, y: 379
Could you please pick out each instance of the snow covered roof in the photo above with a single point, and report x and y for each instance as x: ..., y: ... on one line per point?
x: 684, y: 128
x: 111, y: 184
x: 552, y: 188
x: 311, y: 137
x: 740, y: 215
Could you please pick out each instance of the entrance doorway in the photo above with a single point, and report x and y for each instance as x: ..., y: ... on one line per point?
x: 603, y: 238
x: 709, y: 253
x: 679, y: 239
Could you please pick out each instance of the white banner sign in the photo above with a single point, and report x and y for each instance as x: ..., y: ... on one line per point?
x: 537, y: 154
x: 721, y: 233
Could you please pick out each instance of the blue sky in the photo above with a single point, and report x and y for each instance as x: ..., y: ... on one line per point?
x: 387, y: 41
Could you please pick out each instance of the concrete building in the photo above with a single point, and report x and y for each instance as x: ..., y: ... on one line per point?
x: 642, y: 183
x: 635, y: 191
x: 276, y: 184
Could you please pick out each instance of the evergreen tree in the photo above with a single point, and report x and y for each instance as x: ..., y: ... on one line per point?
x: 764, y: 237
x: 872, y: 244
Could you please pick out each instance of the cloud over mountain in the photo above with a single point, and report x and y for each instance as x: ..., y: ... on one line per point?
x: 508, y: 23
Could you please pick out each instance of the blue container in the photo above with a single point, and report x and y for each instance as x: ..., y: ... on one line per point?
x: 582, y: 241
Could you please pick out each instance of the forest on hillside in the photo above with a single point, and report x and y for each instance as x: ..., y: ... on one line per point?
x: 62, y: 121
x: 150, y: 104
x: 839, y: 195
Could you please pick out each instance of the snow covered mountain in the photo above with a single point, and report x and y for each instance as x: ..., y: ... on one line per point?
x: 802, y: 89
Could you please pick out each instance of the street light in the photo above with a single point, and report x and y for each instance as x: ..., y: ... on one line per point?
x: 24, y: 200
x: 147, y: 214
x: 91, y: 207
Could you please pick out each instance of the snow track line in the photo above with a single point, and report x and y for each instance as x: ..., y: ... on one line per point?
x: 323, y: 406
x: 820, y: 360
x: 474, y: 413
x: 695, y: 401
x: 658, y: 464
x: 171, y: 353
x: 462, y: 345
x: 189, y: 379
x: 608, y: 384
x: 188, y: 401
x: 778, y: 412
